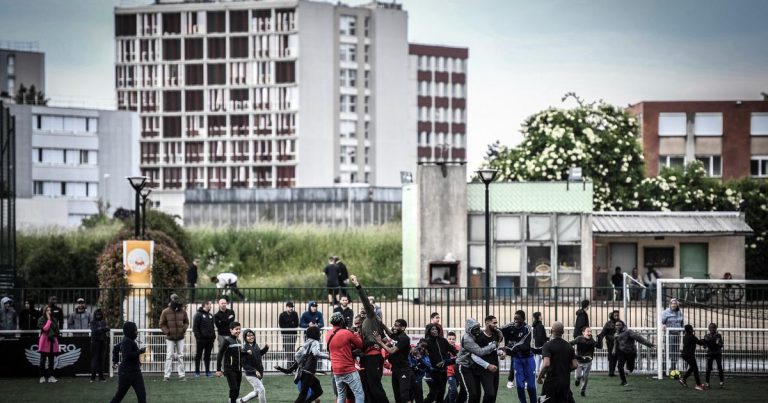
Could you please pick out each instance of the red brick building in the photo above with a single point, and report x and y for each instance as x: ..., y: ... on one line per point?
x: 729, y: 137
x: 440, y: 75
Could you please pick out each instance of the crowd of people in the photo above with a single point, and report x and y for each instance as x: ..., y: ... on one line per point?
x: 360, y: 346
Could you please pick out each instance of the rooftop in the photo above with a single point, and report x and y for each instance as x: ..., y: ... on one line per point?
x: 659, y: 223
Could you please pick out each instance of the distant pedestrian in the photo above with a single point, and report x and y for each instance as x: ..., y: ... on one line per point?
x: 345, y: 310
x: 222, y: 319
x: 174, y: 323
x: 558, y: 361
x: 99, y: 342
x: 80, y: 318
x: 690, y: 341
x: 205, y: 333
x: 228, y: 281
x: 585, y: 352
x: 331, y: 272
x: 192, y: 279
x: 651, y: 278
x: 129, y: 373
x: 343, y: 275
x: 618, y: 283
x: 625, y: 349
x: 48, y: 344
x: 311, y: 317
x: 582, y: 319
x: 635, y: 288
x: 29, y: 316
x: 539, y: 338
x: 9, y: 319
x: 714, y: 344
x: 287, y: 320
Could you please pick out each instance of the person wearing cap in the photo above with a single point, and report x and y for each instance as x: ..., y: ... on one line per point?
x: 9, y: 319
x: 672, y: 317
x: 80, y: 318
x: 312, y: 317
x: 174, y: 322
x: 288, y: 319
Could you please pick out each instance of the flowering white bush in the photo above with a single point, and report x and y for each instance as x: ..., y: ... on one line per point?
x: 599, y: 138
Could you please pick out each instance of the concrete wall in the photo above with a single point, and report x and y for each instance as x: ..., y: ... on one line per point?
x: 442, y: 221
x: 41, y: 213
x: 394, y: 140
x: 726, y: 253
x: 410, y: 226
x: 30, y: 70
x: 118, y: 157
x: 318, y: 95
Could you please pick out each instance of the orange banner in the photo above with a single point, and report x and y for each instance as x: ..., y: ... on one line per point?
x: 137, y: 261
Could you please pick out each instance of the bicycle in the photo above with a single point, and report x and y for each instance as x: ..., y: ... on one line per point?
x: 731, y: 292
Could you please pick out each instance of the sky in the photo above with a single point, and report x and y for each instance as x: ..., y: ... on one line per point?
x: 523, y: 55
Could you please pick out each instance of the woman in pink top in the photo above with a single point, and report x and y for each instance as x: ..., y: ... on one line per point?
x: 48, y: 345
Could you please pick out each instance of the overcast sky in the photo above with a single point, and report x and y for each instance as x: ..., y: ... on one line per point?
x: 523, y: 55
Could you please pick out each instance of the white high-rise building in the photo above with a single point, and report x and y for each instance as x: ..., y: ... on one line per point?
x: 265, y: 94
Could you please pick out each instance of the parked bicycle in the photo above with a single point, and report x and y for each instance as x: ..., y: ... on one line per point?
x: 730, y: 292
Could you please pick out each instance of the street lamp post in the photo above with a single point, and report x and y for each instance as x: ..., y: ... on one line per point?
x: 137, y: 183
x: 144, y: 197
x: 487, y: 176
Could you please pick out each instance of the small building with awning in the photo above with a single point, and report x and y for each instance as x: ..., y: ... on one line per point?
x: 677, y: 244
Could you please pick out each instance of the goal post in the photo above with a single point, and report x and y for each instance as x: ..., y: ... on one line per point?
x: 728, y: 303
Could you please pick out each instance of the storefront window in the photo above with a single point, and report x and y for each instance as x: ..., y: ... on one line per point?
x: 539, y: 228
x: 569, y: 265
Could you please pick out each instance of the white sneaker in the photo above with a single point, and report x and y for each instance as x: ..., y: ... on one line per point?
x: 52, y: 380
x: 42, y: 379
x: 510, y: 384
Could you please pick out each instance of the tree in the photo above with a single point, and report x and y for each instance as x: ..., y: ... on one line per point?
x: 687, y: 189
x: 30, y: 96
x: 599, y: 138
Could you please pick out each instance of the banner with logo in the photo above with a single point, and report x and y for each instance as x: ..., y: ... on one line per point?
x: 137, y: 261
x: 21, y: 358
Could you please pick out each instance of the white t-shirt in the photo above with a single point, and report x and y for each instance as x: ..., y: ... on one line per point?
x: 225, y: 279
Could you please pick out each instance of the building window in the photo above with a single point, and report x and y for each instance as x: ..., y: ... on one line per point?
x: 348, y: 103
x: 709, y: 124
x: 10, y: 66
x: 347, y: 25
x: 712, y: 164
x: 672, y: 124
x: 671, y: 161
x: 508, y: 228
x: 347, y: 53
x: 37, y: 188
x: 759, y: 124
x: 759, y: 166
x: 348, y: 78
x: 348, y: 129
x: 539, y: 228
x: 11, y: 85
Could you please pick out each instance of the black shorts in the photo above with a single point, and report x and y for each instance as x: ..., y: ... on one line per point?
x: 333, y: 290
x: 552, y: 392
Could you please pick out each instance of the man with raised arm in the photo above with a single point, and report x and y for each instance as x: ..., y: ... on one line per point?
x: 371, y: 362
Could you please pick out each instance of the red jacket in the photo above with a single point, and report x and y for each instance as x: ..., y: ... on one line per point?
x: 452, y: 367
x: 340, y: 349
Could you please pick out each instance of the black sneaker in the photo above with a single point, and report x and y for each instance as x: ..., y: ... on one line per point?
x: 624, y: 383
x: 611, y: 374
x: 683, y: 382
x: 578, y: 381
x: 582, y: 393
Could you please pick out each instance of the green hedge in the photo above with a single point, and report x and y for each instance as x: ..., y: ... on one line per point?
x: 295, y: 257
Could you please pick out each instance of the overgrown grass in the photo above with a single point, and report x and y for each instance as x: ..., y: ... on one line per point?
x: 295, y: 257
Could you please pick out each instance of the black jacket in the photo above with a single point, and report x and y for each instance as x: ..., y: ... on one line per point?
x: 192, y: 275
x: 252, y: 362
x: 288, y: 320
x: 690, y: 341
x: 57, y: 314
x: 539, y: 336
x: 582, y: 321
x: 608, y: 333
x: 439, y: 350
x: 348, y: 315
x: 222, y: 319
x: 99, y: 329
x: 231, y: 360
x: 714, y: 343
x: 202, y: 325
x: 585, y: 348
x: 28, y: 319
x: 129, y: 349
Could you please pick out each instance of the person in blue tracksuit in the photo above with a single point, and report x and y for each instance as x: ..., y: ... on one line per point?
x: 518, y: 336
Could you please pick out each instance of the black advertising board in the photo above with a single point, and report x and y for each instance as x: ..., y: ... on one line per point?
x: 21, y: 358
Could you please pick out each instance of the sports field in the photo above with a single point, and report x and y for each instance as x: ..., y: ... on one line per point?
x: 281, y: 389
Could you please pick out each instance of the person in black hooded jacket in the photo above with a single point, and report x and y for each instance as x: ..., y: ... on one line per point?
x: 129, y: 373
x: 582, y: 319
x: 99, y: 329
x: 205, y: 333
x: 253, y: 366
x: 439, y: 351
x: 539, y: 338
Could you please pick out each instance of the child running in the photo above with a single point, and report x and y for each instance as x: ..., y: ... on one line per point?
x: 129, y: 374
x: 306, y: 358
x: 714, y: 344
x: 230, y: 357
x: 689, y: 356
x: 254, y: 367
x: 585, y: 352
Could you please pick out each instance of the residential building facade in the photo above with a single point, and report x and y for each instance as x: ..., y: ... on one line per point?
x: 21, y: 64
x: 439, y: 74
x: 729, y: 137
x: 265, y: 94
x: 70, y: 160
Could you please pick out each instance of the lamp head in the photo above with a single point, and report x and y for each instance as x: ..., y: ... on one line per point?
x: 487, y: 175
x: 145, y: 191
x: 137, y: 182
